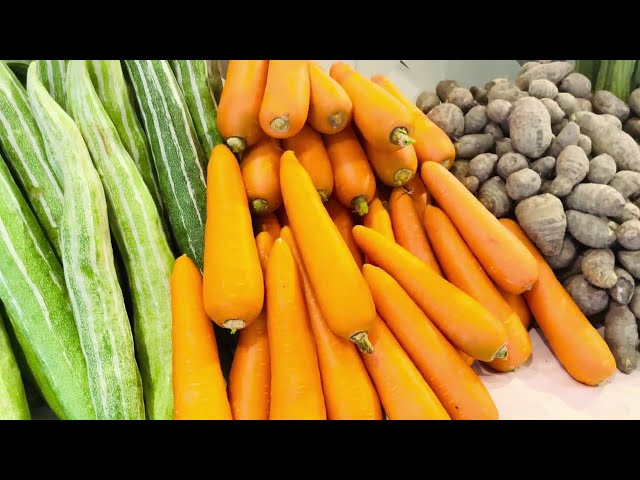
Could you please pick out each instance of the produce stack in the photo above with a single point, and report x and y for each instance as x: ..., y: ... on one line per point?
x: 561, y: 159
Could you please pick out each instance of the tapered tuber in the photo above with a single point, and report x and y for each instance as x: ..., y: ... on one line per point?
x: 530, y: 127
x: 584, y: 143
x: 495, y: 130
x: 543, y: 219
x: 499, y: 110
x: 621, y: 334
x: 469, y: 146
x: 630, y: 260
x: 598, y: 267
x: 449, y: 118
x: 589, y: 230
x: 427, y: 101
x: 557, y: 127
x: 567, y: 103
x: 565, y: 257
x: 623, y: 290
x: 630, y: 212
x: 576, y: 84
x: 596, y: 199
x: 544, y: 166
x: 554, y: 72
x: 482, y: 166
x: 606, y: 102
x: 612, y: 120
x: 493, y: 195
x: 503, y: 146
x: 601, y: 169
x: 510, y: 163
x: 461, y: 98
x: 572, y: 166
x: 555, y: 112
x: 569, y: 135
x: 444, y: 88
x: 479, y: 95
x: 460, y: 170
x: 632, y: 127
x: 634, y: 101
x: 475, y: 119
x: 543, y: 88
x: 634, y: 304
x: 589, y: 299
x: 629, y: 234
x: 523, y: 184
x: 626, y: 182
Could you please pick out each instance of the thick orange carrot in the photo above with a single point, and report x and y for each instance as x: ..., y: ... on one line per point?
x: 240, y: 103
x: 312, y: 154
x: 519, y: 306
x: 296, y: 385
x: 343, y: 220
x: 456, y: 385
x: 511, y: 266
x: 330, y: 108
x: 383, y: 120
x: 404, y: 393
x: 353, y: 178
x: 343, y: 295
x: 285, y: 104
x: 198, y: 385
x: 431, y: 143
x: 463, y: 320
x: 394, y: 169
x: 348, y: 390
x: 250, y: 376
x: 260, y: 168
x: 267, y: 223
x: 379, y: 219
x: 408, y: 228
x: 577, y: 344
x: 419, y: 195
x: 463, y: 270
x: 233, y: 280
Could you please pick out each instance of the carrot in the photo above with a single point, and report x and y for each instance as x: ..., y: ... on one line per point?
x: 383, y: 120
x: 268, y: 223
x: 285, y: 104
x: 379, y: 219
x: 198, y: 385
x: 343, y: 295
x: 394, y: 169
x: 511, y: 266
x: 419, y: 195
x: 296, y: 385
x: 455, y: 384
x: 343, y: 220
x: 408, y: 228
x: 312, y: 154
x: 348, y: 390
x: 354, y: 180
x: 240, y: 102
x: 260, y: 168
x: 330, y: 108
x: 250, y: 376
x: 404, y: 393
x: 463, y: 320
x: 519, y: 306
x: 575, y: 342
x: 463, y: 270
x: 233, y: 280
x: 431, y: 143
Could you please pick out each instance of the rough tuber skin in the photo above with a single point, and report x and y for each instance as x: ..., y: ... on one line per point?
x: 583, y: 105
x: 572, y: 166
x: 544, y: 166
x: 449, y: 118
x: 634, y: 101
x: 444, y: 88
x: 479, y: 95
x: 634, y: 304
x: 589, y: 299
x: 630, y: 212
x: 555, y: 112
x: 575, y: 268
x: 427, y: 101
x: 584, y: 143
x: 523, y: 184
x: 530, y: 127
x: 569, y: 135
x: 554, y: 72
x: 565, y: 257
x: 626, y: 182
x: 503, y: 147
x: 506, y: 91
x: 493, y: 195
x: 596, y: 199
x: 461, y: 98
x: 621, y: 334
x: 606, y: 102
x: 598, y: 267
x: 482, y: 166
x: 576, y: 84
x: 622, y: 292
x: 628, y: 234
x: 567, y: 102
x: 460, y: 170
x: 499, y: 110
x: 475, y: 119
x: 543, y: 88
x: 630, y: 260
x: 589, y: 230
x: 543, y: 219
x: 510, y: 163
x: 601, y: 169
x: 632, y: 128
x: 495, y: 130
x: 612, y: 120
x: 469, y: 146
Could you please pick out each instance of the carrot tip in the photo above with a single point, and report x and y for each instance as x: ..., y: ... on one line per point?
x: 336, y: 120
x: 402, y: 176
x: 234, y: 325
x: 236, y: 144
x: 259, y: 206
x: 323, y: 195
x: 361, y: 339
x: 280, y: 124
x: 400, y: 136
x: 502, y: 353
x: 360, y: 205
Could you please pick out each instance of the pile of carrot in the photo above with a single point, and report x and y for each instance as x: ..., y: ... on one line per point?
x: 362, y: 278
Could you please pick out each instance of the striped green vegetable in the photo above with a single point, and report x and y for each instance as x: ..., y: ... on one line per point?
x: 215, y: 78
x: 32, y: 290
x: 177, y: 154
x: 53, y: 76
x: 19, y: 67
x: 193, y: 77
x: 13, y: 399
x: 87, y: 256
x: 25, y: 152
x: 136, y: 226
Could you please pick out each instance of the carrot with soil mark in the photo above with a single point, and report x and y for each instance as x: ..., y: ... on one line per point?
x: 330, y: 108
x: 260, y: 168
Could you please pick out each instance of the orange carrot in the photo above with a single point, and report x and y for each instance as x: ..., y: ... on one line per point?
x: 456, y: 385
x: 404, y: 393
x: 519, y: 306
x: 268, y: 223
x: 511, y: 266
x: 233, y: 280
x: 250, y: 376
x: 296, y: 385
x: 240, y: 103
x: 312, y: 154
x: 383, y: 120
x: 394, y: 169
x: 198, y: 385
x: 576, y: 343
x: 419, y: 195
x: 463, y: 270
x: 260, y: 168
x: 343, y: 295
x: 348, y: 390
x: 330, y: 107
x: 432, y: 144
x: 354, y: 180
x: 343, y: 220
x: 379, y: 219
x: 285, y: 104
x: 463, y: 320
x: 408, y: 228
